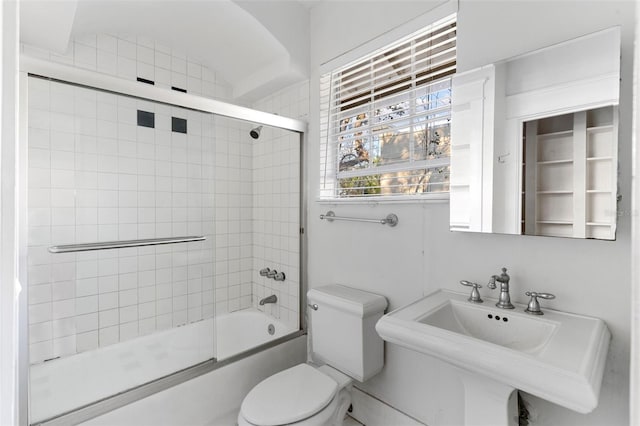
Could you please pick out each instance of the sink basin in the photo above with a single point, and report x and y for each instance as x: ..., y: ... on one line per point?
x: 559, y: 356
x: 526, y: 334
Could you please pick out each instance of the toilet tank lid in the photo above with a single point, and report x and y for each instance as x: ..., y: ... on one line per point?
x: 347, y: 299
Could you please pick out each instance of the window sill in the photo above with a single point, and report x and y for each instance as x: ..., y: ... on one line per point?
x: 442, y: 197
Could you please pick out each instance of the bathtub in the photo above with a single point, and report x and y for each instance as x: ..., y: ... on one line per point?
x: 242, y: 330
x: 210, y: 399
x: 64, y: 384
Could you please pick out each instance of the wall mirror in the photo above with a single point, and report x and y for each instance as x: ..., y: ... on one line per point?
x: 534, y: 142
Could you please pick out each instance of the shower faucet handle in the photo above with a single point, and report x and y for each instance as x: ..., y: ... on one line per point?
x: 279, y: 276
x: 272, y: 273
x: 264, y: 272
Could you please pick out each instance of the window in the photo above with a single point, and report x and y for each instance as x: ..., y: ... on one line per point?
x: 386, y: 119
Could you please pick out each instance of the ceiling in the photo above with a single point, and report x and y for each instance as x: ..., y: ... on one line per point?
x: 256, y: 46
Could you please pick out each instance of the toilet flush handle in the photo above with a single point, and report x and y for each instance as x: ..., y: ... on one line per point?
x: 314, y: 306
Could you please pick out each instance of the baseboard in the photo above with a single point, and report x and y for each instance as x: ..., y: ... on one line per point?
x: 370, y: 411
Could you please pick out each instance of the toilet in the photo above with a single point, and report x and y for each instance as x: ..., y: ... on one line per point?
x: 344, y: 340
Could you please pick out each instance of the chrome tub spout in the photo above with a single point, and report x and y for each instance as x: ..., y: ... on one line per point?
x: 270, y: 299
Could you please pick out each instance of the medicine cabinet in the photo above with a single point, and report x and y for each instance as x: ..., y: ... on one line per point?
x: 534, y: 142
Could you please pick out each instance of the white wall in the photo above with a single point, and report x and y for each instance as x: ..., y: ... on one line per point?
x: 635, y: 238
x: 421, y: 255
x: 9, y: 413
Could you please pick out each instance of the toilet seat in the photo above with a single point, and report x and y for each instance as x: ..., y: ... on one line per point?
x: 289, y: 396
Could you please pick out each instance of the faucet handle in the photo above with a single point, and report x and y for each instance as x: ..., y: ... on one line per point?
x: 475, y: 294
x: 534, y: 306
x: 547, y: 296
x: 264, y: 272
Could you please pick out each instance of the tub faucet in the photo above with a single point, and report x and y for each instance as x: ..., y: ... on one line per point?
x: 504, y: 301
x: 270, y: 299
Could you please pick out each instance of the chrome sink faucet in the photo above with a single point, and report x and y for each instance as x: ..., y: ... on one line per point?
x: 504, y: 301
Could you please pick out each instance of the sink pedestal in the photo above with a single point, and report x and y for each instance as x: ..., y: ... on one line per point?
x: 488, y: 402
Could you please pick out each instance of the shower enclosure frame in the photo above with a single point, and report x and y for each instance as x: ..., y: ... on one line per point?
x: 89, y: 79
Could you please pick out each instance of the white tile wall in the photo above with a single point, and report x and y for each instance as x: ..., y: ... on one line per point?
x: 276, y: 193
x: 94, y: 175
x: 233, y: 211
x: 132, y: 57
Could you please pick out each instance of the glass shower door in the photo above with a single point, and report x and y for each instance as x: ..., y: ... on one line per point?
x: 102, y: 168
x: 258, y: 199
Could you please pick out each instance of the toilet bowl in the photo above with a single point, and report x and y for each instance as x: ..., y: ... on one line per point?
x: 343, y: 337
x: 302, y: 395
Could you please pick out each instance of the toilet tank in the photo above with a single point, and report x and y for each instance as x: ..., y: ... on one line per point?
x: 342, y: 329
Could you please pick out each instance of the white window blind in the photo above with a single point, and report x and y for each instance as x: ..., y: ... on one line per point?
x: 385, y: 119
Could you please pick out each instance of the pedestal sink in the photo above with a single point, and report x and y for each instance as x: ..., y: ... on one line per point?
x: 558, y: 356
